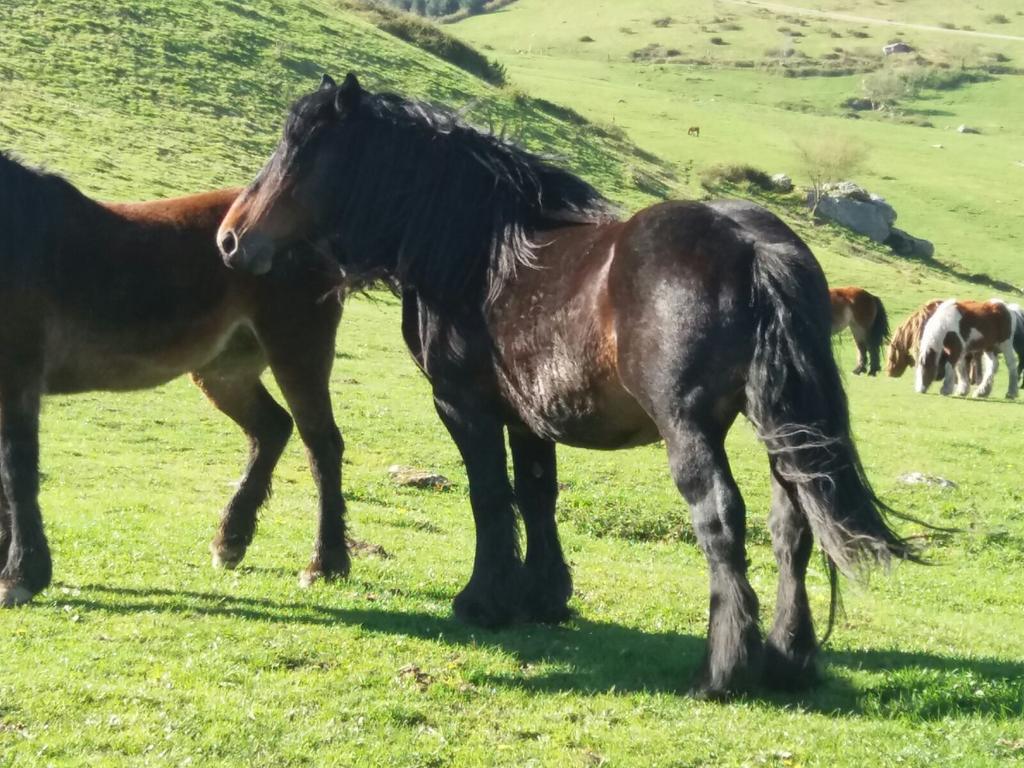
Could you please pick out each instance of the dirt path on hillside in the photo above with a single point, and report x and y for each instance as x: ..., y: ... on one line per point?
x: 798, y: 11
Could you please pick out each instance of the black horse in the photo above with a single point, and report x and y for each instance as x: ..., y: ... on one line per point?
x: 532, y: 309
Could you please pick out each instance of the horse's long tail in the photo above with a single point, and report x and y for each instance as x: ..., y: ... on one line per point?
x: 878, y: 333
x: 796, y: 401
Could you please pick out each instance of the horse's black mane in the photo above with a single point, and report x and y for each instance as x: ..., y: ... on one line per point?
x: 31, y: 200
x: 422, y: 198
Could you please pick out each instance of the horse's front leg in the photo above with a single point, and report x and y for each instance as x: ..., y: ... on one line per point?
x: 963, y: 376
x: 548, y: 583
x: 299, y: 343
x: 862, y: 351
x: 268, y: 426
x: 28, y: 568
x: 493, y: 596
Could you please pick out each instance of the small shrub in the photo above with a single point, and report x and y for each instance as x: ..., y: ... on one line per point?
x: 860, y: 33
x: 717, y: 41
x: 586, y: 39
x: 731, y: 26
x: 627, y: 30
x: 946, y: 25
x: 716, y: 176
x: 662, y: 21
x: 424, y: 35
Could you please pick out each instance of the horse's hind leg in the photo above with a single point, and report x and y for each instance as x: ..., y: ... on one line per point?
x: 1011, y: 366
x: 701, y: 472
x: 548, y: 583
x: 268, y: 427
x: 28, y: 567
x: 791, y: 645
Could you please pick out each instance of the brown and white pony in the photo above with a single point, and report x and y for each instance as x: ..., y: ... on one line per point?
x: 117, y: 297
x: 959, y: 328
x: 864, y: 314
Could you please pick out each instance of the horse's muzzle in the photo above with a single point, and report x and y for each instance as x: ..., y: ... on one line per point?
x: 250, y: 251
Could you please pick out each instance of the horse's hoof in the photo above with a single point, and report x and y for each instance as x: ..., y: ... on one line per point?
x: 226, y: 556
x: 327, y: 566
x: 547, y: 613
x: 481, y: 612
x: 788, y: 670
x: 12, y: 595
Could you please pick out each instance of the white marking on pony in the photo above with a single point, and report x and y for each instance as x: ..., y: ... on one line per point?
x: 989, y: 366
x: 945, y: 320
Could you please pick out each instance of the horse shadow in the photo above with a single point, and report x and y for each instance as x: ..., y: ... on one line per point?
x: 592, y: 657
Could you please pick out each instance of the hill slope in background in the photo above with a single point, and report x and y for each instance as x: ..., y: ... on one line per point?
x: 153, y: 98
x: 658, y: 67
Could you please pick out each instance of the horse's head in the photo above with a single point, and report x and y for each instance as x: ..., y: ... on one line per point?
x: 899, y: 360
x: 291, y: 199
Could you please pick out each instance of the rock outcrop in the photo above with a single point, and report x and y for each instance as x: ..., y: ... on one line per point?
x: 867, y: 214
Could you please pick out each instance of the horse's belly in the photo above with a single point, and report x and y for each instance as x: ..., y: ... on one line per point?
x: 79, y: 362
x: 593, y: 414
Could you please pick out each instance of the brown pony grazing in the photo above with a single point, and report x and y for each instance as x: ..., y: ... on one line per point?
x: 117, y: 297
x: 537, y: 314
x: 905, y: 341
x: 694, y: 131
x: 864, y: 314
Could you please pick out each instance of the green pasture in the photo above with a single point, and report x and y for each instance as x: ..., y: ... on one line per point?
x: 141, y: 654
x: 965, y: 196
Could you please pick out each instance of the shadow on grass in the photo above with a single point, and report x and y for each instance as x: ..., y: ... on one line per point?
x: 598, y: 657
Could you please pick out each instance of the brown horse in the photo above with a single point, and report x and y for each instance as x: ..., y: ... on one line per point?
x: 535, y: 312
x: 864, y: 314
x: 117, y: 297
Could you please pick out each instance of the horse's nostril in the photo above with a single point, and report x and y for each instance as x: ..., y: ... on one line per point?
x: 228, y: 243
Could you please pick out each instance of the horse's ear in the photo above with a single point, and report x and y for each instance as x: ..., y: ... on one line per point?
x: 326, y: 81
x: 347, y: 97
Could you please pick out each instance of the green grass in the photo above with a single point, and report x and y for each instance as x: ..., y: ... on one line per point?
x: 142, y: 654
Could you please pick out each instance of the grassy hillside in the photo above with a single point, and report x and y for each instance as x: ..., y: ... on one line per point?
x: 142, y: 655
x: 153, y: 98
x: 962, y: 194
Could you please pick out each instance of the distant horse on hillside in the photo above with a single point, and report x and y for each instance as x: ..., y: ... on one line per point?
x: 864, y: 314
x: 534, y: 311
x: 957, y: 329
x: 694, y: 131
x: 98, y: 296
